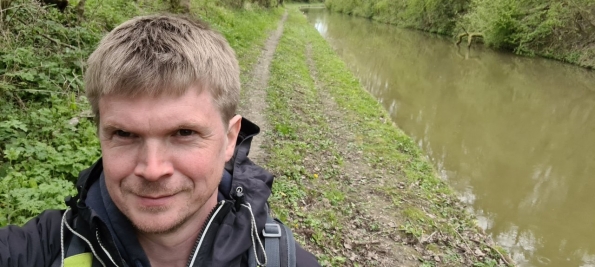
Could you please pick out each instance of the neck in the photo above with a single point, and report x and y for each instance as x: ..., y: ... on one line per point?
x: 173, y: 249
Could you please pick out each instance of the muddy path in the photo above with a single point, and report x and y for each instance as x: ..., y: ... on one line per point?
x: 373, y: 238
x: 254, y: 107
x: 352, y: 209
x: 362, y: 245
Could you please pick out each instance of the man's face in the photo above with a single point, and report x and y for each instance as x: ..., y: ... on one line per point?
x: 163, y: 156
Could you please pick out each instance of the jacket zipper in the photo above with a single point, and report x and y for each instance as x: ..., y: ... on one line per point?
x: 104, y: 249
x: 201, y: 236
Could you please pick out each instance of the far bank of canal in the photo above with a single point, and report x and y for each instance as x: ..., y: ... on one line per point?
x: 515, y: 136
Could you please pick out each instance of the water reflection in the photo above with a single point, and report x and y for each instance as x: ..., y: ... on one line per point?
x: 514, y: 135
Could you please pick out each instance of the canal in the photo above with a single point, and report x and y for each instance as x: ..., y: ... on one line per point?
x: 514, y: 136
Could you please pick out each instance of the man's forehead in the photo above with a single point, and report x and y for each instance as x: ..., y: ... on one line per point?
x: 190, y: 109
x: 153, y: 91
x: 152, y: 94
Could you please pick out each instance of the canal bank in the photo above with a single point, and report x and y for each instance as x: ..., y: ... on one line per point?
x: 513, y: 135
x: 561, y: 30
x: 352, y: 185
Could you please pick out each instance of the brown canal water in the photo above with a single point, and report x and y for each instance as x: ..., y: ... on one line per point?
x: 514, y: 135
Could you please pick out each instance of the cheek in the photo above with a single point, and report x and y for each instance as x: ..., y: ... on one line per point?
x: 202, y: 170
x: 116, y: 166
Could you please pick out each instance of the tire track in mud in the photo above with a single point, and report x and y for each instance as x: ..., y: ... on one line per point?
x: 255, y: 106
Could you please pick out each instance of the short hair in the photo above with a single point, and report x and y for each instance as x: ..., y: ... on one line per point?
x: 164, y: 54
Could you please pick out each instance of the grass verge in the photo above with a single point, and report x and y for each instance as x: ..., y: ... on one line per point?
x: 355, y: 187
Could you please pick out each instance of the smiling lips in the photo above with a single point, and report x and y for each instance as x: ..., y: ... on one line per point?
x: 154, y: 201
x: 156, y: 197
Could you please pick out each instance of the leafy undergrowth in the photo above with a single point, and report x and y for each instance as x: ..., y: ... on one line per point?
x: 355, y: 187
x: 47, y: 134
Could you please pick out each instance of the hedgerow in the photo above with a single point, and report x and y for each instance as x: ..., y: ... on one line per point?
x: 563, y: 30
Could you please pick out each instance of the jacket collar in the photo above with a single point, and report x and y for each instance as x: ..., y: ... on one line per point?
x: 234, y: 239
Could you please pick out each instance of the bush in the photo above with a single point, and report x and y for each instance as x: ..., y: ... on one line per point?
x: 560, y: 29
x: 497, y: 20
x: 430, y: 15
x: 46, y: 136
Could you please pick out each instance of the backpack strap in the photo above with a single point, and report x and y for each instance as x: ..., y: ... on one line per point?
x: 291, y: 259
x: 279, y: 245
x: 272, y: 236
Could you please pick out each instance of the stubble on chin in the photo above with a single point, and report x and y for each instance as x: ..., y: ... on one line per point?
x: 150, y: 223
x: 151, y: 219
x: 150, y: 226
x: 157, y: 188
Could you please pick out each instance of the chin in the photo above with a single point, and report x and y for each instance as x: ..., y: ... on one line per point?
x: 156, y: 227
x: 158, y: 222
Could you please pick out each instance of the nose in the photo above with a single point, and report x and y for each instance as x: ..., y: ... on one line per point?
x: 153, y: 163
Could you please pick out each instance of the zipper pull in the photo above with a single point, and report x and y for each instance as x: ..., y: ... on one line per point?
x: 239, y: 198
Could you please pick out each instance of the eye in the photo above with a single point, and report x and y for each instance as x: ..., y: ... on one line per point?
x: 185, y: 132
x: 121, y: 133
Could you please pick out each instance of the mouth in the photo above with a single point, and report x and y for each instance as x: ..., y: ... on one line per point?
x: 155, y: 200
x: 155, y: 197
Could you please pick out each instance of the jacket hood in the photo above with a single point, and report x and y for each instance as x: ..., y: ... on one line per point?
x: 250, y: 184
x: 243, y: 182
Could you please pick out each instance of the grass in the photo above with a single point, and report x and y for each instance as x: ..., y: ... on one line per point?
x: 315, y: 190
x: 245, y: 30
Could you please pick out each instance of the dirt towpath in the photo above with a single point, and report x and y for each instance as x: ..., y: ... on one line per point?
x: 383, y: 218
x: 255, y: 106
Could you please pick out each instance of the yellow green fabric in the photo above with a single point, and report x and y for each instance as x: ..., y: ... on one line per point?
x: 79, y: 260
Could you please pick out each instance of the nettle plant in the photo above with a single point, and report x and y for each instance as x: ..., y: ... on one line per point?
x: 46, y: 135
x: 44, y: 148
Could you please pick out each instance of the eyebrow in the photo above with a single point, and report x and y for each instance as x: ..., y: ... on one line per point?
x: 110, y: 127
x: 203, y: 129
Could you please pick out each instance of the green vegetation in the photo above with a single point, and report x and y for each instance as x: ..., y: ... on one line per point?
x: 339, y: 159
x: 47, y: 134
x: 562, y: 30
x: 430, y: 15
x: 46, y: 139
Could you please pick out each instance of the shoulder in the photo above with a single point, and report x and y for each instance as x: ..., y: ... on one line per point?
x: 48, y: 220
x: 33, y: 243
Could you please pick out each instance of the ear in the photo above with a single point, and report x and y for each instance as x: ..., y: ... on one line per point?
x: 232, y: 135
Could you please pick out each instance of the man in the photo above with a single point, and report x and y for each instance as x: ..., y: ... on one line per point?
x: 174, y: 186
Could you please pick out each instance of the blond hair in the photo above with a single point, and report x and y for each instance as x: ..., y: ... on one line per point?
x: 164, y: 54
